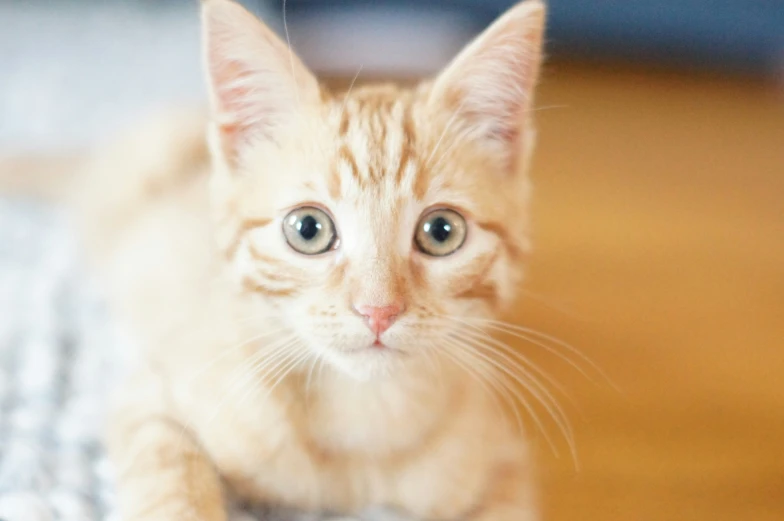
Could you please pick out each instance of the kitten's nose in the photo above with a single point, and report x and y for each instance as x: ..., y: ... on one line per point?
x: 380, y: 318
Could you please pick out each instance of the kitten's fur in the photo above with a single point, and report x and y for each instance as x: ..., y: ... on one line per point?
x: 257, y: 371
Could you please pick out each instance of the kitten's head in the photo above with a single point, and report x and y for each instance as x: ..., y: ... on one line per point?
x: 373, y: 221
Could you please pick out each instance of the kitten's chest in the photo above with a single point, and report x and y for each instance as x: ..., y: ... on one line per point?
x: 343, y: 457
x: 276, y: 461
x: 301, y: 475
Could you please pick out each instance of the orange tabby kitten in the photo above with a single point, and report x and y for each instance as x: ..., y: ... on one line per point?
x: 305, y: 308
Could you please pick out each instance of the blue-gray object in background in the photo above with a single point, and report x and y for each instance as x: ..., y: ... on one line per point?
x: 743, y: 36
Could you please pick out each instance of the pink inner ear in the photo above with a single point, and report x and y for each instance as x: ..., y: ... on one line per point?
x: 241, y: 89
x: 243, y: 102
x: 493, y: 78
x: 230, y: 94
x: 256, y: 80
x: 509, y: 70
x: 507, y: 128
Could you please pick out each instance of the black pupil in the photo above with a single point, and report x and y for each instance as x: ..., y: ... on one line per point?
x: 308, y: 227
x: 440, y: 229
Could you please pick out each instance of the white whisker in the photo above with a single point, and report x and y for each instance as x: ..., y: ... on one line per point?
x: 521, y: 332
x: 260, y: 369
x: 301, y: 359
x: 251, y: 368
x: 532, y: 384
x: 284, y: 371
x: 518, y: 358
x: 447, y: 127
x: 350, y: 88
x: 547, y: 107
x: 548, y: 303
x: 291, y: 55
x: 470, y: 367
x: 520, y: 398
x: 226, y: 352
x: 317, y: 358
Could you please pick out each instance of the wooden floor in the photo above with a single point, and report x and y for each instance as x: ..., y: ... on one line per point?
x: 659, y: 220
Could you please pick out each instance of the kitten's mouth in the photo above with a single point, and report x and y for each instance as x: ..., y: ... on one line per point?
x: 376, y: 346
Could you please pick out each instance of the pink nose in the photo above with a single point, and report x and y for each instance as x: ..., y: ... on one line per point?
x: 380, y: 318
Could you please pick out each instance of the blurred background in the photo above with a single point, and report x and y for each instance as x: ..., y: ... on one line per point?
x: 659, y: 209
x: 102, y: 62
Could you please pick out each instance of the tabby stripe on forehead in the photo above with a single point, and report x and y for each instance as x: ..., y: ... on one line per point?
x: 345, y: 120
x: 382, y: 132
x: 325, y: 94
x: 333, y: 183
x: 420, y: 184
x: 347, y: 157
x: 406, y: 145
x: 376, y: 165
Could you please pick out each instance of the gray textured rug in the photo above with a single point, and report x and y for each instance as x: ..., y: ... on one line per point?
x: 57, y: 357
x: 60, y: 351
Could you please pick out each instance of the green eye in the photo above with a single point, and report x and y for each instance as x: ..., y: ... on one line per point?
x: 309, y: 231
x: 440, y: 233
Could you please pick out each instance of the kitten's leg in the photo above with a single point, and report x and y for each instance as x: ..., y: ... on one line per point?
x: 162, y: 472
x: 510, y: 497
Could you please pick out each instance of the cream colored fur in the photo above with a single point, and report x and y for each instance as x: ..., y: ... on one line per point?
x: 254, y: 371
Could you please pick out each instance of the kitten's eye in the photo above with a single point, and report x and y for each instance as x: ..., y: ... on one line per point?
x: 309, y: 230
x: 440, y: 232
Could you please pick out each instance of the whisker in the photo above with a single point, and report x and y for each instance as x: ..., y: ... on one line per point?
x: 291, y: 54
x: 430, y: 362
x: 257, y: 360
x: 521, y: 332
x: 484, y: 381
x: 549, y: 304
x: 182, y: 326
x: 547, y: 107
x: 262, y: 370
x: 286, y: 369
x: 189, y: 423
x: 225, y: 352
x: 537, y: 390
x: 316, y: 360
x: 521, y: 399
x: 525, y: 361
x: 251, y: 368
x: 284, y: 373
x: 456, y: 142
x: 523, y: 364
x: 253, y: 390
x: 448, y: 125
x: 350, y: 88
x: 320, y: 373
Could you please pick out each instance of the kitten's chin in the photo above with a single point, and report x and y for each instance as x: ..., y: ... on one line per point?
x: 366, y: 363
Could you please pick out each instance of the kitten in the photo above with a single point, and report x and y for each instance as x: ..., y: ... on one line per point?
x: 307, y: 305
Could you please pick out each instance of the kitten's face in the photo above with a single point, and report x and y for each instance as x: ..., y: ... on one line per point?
x: 377, y: 221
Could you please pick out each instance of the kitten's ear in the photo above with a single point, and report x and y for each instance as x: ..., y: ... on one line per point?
x: 257, y: 85
x: 490, y: 84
